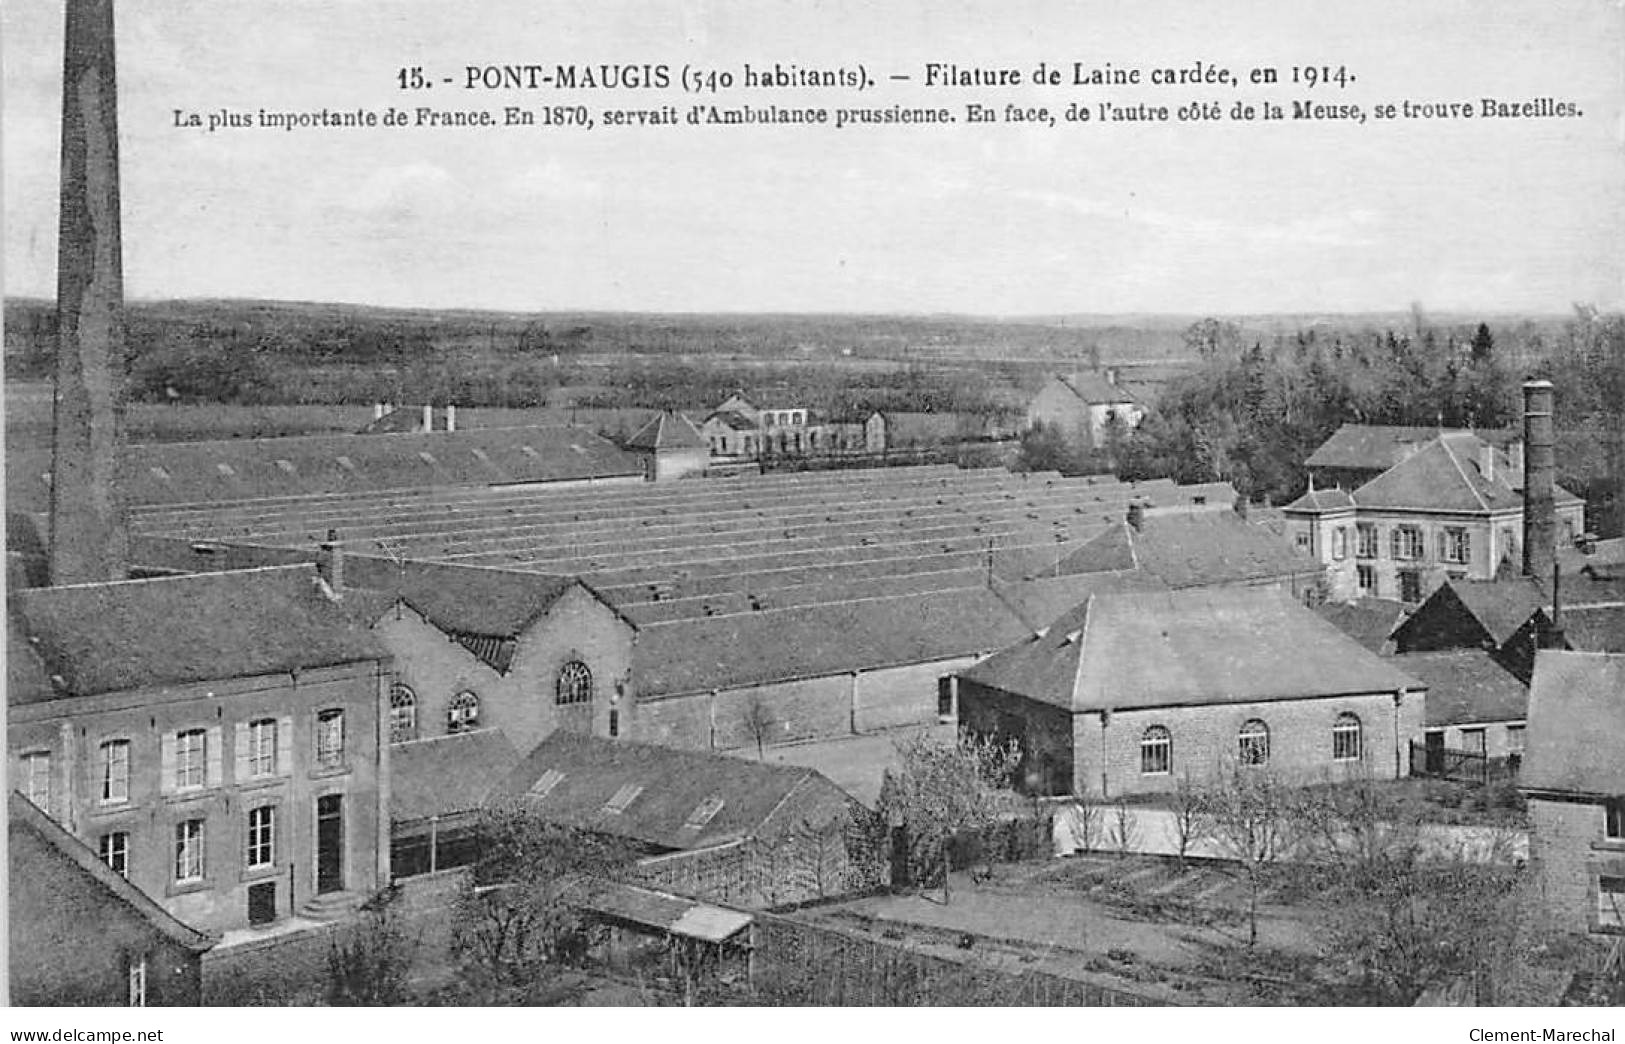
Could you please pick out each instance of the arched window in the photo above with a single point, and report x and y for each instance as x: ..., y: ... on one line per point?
x: 403, y: 713
x: 463, y: 715
x: 1253, y: 743
x: 1346, y: 738
x: 574, y: 684
x: 1156, y: 752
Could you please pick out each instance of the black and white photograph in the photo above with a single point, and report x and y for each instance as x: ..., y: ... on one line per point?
x: 815, y: 503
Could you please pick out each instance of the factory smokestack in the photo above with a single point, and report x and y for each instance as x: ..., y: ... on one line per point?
x: 88, y: 538
x: 1539, y: 509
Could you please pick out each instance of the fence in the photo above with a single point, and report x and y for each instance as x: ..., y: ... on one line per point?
x: 1461, y: 766
x: 797, y: 963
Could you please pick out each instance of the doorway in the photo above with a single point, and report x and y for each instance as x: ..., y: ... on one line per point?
x: 330, y: 843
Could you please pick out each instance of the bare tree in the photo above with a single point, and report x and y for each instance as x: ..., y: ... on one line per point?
x: 944, y: 789
x: 1252, y: 818
x: 369, y: 964
x: 1123, y: 832
x: 759, y: 724
x: 1189, y: 816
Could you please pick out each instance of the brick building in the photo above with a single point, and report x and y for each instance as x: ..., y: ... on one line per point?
x: 670, y: 447
x: 525, y: 653
x: 214, y: 738
x: 137, y: 955
x: 1129, y: 692
x: 1574, y: 780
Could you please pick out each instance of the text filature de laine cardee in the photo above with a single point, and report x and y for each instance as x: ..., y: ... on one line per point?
x: 1071, y: 94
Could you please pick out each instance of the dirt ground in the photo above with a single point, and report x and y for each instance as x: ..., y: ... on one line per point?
x: 1138, y: 923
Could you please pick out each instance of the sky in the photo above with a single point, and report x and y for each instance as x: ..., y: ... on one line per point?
x: 1476, y: 215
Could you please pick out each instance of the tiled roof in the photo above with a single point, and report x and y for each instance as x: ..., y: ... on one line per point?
x: 722, y: 652
x: 1369, y: 621
x: 1322, y: 500
x: 242, y: 469
x: 1039, y: 600
x: 1576, y: 736
x: 119, y: 636
x: 447, y: 775
x: 667, y: 430
x: 1596, y: 629
x: 24, y: 817
x: 1193, y: 550
x: 1094, y: 389
x: 733, y: 419
x: 1183, y: 648
x: 1501, y: 606
x: 664, y: 912
x: 496, y: 603
x: 1445, y: 475
x: 1375, y: 447
x: 1466, y: 686
x: 671, y: 799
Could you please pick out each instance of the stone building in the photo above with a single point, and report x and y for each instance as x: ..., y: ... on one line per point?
x: 670, y: 447
x: 1130, y: 692
x: 1574, y: 780
x: 214, y: 738
x: 137, y: 954
x: 1084, y: 405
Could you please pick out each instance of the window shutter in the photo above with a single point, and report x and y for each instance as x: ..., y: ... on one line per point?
x: 239, y: 748
x: 1466, y: 545
x: 284, y: 746
x: 166, y: 763
x: 1444, y: 546
x: 211, y: 755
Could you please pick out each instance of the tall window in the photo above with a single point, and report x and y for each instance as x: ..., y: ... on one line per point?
x: 1366, y: 577
x: 1455, y: 545
x: 1156, y: 751
x: 262, y: 741
x: 115, y: 771
x: 261, y: 836
x: 330, y: 738
x: 574, y: 683
x: 403, y: 714
x: 1614, y: 819
x: 189, y: 850
x: 1366, y: 540
x: 114, y: 849
x: 463, y: 715
x: 1410, y: 585
x: 1346, y: 738
x: 190, y: 748
x: 1340, y: 543
x: 37, y: 778
x: 138, y: 982
x: 1611, y: 902
x: 1407, y: 541
x: 1253, y: 743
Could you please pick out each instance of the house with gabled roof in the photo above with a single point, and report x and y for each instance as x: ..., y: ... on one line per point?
x: 1084, y: 405
x: 212, y: 737
x: 1574, y: 781
x: 670, y: 447
x: 1451, y: 507
x: 1132, y: 691
x: 478, y: 648
x: 138, y: 954
x: 1355, y: 454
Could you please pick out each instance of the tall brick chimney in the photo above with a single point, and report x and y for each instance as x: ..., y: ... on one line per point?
x: 1539, y: 509
x: 88, y: 538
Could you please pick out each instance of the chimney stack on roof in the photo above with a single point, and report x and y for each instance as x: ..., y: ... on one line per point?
x: 1539, y: 508
x: 330, y: 563
x: 1486, y: 460
x: 1515, y: 459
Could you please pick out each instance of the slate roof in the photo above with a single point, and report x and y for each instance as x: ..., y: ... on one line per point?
x: 569, y: 778
x: 1369, y: 621
x: 307, y: 465
x: 667, y: 430
x: 733, y: 419
x: 1576, y: 732
x: 1500, y: 606
x: 1093, y: 388
x: 1193, y: 550
x: 1375, y: 447
x: 23, y: 816
x: 119, y: 636
x: 723, y: 652
x: 1039, y: 600
x: 1595, y: 629
x: 1322, y: 500
x: 1444, y: 475
x: 447, y: 775
x: 1466, y: 686
x: 663, y: 912
x: 1187, y: 648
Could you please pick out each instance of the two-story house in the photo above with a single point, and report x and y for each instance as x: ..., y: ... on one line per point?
x: 214, y: 738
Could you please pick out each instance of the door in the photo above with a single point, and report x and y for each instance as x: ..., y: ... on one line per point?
x: 262, y: 903
x: 330, y: 843
x: 1435, y: 752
